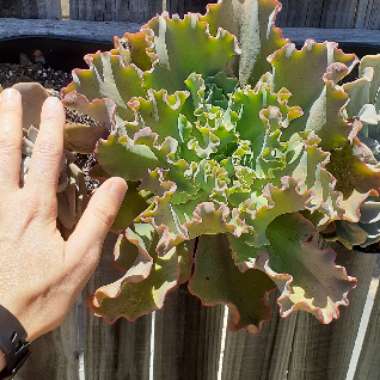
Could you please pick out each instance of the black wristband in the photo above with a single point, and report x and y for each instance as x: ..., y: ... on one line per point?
x: 12, y: 343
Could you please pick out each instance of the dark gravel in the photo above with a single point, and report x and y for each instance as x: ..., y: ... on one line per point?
x: 48, y: 77
x: 28, y: 71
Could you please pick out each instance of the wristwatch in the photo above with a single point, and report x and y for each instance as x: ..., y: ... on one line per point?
x: 12, y: 343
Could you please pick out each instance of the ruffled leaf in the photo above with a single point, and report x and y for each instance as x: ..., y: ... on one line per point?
x: 305, y: 272
x: 321, y: 65
x: 326, y: 117
x: 292, y: 68
x: 216, y: 280
x: 33, y: 96
x: 252, y: 21
x: 274, y: 203
x: 121, y: 157
x: 82, y: 138
x: 147, y: 280
x: 107, y: 77
x: 159, y: 111
x: 351, y: 172
x: 372, y: 61
x: 133, y: 205
x: 173, y: 37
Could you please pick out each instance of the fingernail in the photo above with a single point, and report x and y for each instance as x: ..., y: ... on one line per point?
x: 50, y: 105
x: 9, y: 95
x: 118, y: 187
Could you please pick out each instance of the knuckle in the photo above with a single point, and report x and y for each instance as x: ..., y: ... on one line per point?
x: 103, y: 215
x: 48, y: 149
x: 40, y: 203
x: 7, y: 145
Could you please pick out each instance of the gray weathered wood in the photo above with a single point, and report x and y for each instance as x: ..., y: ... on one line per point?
x: 345, y: 330
x: 55, y: 356
x: 307, y: 13
x: 353, y: 37
x: 104, y: 31
x: 368, y: 14
x: 338, y: 14
x: 368, y: 366
x: 43, y: 9
x: 111, y: 10
x: 300, y: 347
x: 193, y: 5
x: 66, y: 29
x: 249, y: 356
x: 187, y: 339
x: 331, y: 14
x: 118, y: 351
x: 301, y: 13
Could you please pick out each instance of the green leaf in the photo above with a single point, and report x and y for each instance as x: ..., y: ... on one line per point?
x: 326, y: 117
x: 148, y: 276
x: 320, y: 65
x: 252, y: 21
x: 292, y: 68
x: 351, y: 172
x: 119, y: 156
x: 135, y: 48
x: 276, y: 201
x: 129, y: 299
x: 216, y: 280
x: 176, y: 60
x: 159, y: 111
x: 133, y: 205
x: 107, y: 77
x: 359, y: 92
x: 374, y: 62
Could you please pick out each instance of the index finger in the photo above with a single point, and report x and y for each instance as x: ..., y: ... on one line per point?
x: 10, y: 139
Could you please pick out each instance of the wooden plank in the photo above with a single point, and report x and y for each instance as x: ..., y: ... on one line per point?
x: 345, y: 330
x: 306, y: 13
x: 187, y: 339
x: 368, y: 367
x: 249, y: 356
x: 66, y: 29
x: 339, y: 14
x: 353, y: 37
x: 182, y: 6
x: 10, y: 8
x: 320, y: 351
x: 114, y: 10
x: 55, y: 356
x: 47, y: 9
x: 50, y: 9
x: 103, y: 32
x: 300, y: 347
x: 368, y: 14
x: 119, y: 351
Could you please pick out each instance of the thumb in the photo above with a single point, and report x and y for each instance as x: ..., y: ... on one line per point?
x: 98, y: 218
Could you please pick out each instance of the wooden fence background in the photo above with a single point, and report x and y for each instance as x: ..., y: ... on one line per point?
x: 185, y: 341
x: 298, y: 13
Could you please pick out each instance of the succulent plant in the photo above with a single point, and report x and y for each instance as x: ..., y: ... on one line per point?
x: 71, y: 192
x: 237, y: 147
x: 364, y: 105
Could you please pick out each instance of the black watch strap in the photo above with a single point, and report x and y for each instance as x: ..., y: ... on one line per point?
x: 12, y: 343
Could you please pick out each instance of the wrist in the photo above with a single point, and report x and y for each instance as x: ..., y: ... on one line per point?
x: 13, y: 344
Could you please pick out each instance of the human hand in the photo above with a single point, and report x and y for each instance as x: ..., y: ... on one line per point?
x: 41, y: 274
